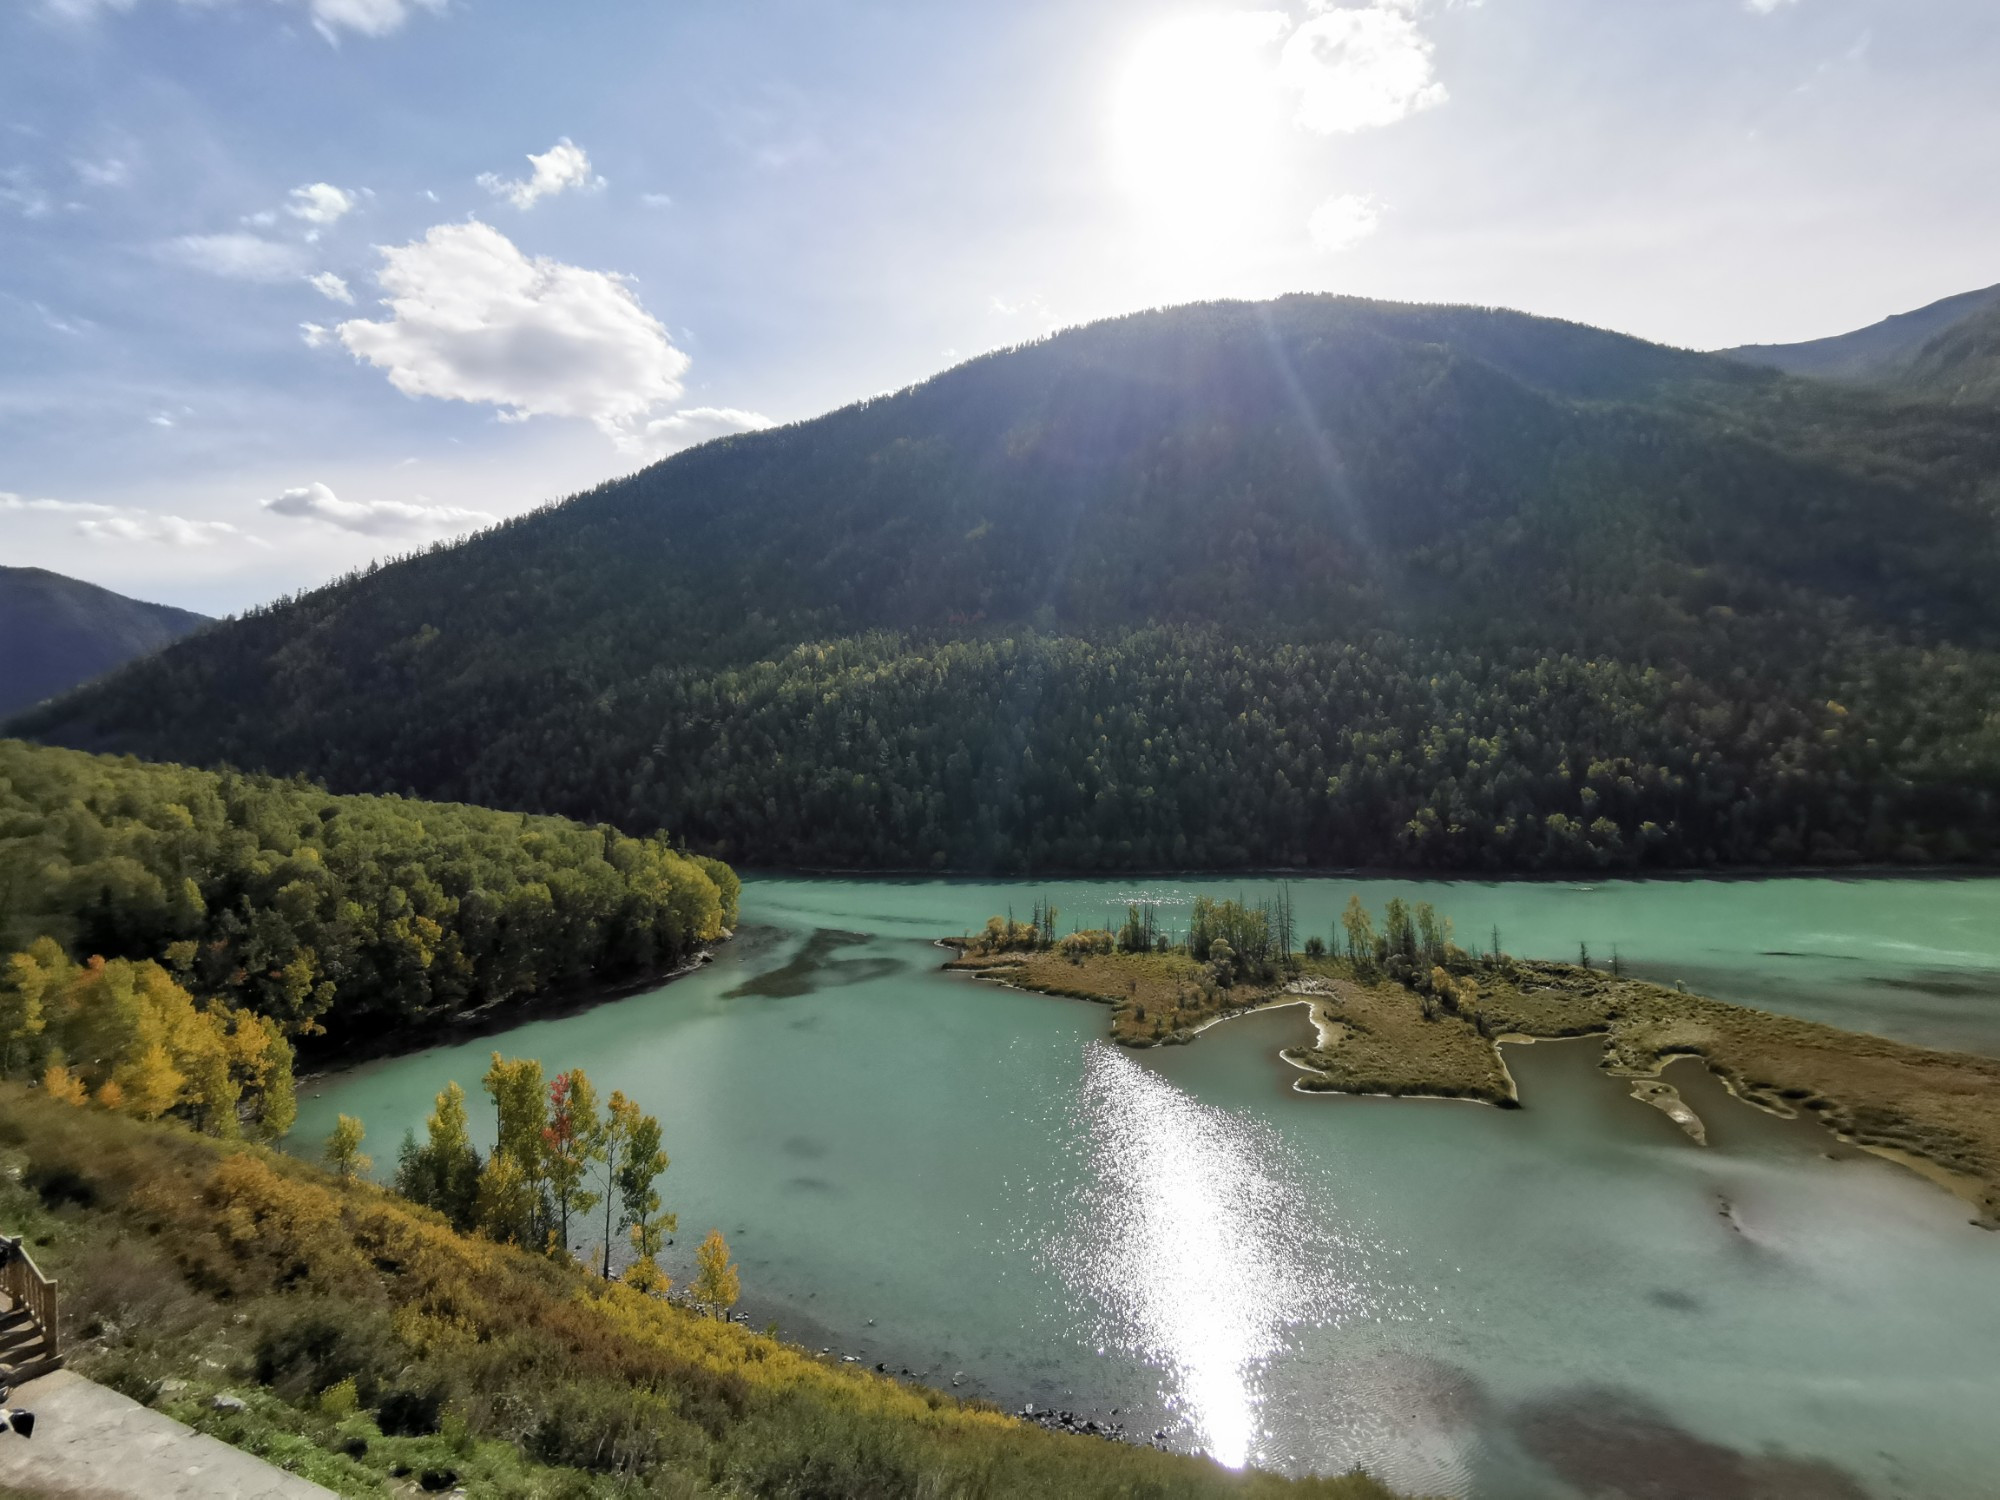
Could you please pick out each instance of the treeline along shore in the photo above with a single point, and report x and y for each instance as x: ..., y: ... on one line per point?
x: 171, y: 939
x: 1400, y: 1008
x: 170, y: 936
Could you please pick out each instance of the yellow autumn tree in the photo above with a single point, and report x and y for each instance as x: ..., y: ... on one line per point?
x: 716, y: 1285
x: 24, y: 981
x: 507, y: 1203
x: 59, y: 1083
x: 128, y: 1034
x: 343, y: 1147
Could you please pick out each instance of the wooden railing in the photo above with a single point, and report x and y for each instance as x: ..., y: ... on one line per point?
x: 28, y: 1289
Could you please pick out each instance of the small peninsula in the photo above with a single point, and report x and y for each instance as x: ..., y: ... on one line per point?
x: 1408, y: 1012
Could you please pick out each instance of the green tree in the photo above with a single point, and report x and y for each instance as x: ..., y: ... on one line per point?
x: 443, y: 1173
x: 342, y: 1151
x: 1359, y: 928
x: 1398, y: 930
x: 638, y: 1173
x: 572, y: 1140
x: 1433, y: 933
x: 507, y: 1205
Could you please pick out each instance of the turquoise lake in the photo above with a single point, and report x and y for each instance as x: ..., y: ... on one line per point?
x: 960, y: 1180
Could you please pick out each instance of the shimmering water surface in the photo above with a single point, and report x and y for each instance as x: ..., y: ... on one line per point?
x: 1573, y: 1299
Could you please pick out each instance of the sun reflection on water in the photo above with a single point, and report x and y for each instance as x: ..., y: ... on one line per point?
x: 1197, y: 1239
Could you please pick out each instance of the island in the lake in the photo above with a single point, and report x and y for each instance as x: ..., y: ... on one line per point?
x: 1407, y: 1011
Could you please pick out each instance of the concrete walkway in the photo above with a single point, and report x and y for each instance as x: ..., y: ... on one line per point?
x: 91, y: 1443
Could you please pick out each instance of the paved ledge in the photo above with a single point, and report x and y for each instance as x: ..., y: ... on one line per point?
x: 91, y: 1443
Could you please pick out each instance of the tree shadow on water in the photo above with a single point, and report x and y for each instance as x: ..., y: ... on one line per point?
x: 814, y: 967
x: 1611, y: 1445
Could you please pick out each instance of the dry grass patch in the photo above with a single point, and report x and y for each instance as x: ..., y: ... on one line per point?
x: 1939, y: 1111
x: 1155, y: 998
x: 1940, y: 1108
x: 1385, y: 1046
x: 370, y: 1343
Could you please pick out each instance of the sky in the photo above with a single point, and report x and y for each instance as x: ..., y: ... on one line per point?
x: 287, y: 285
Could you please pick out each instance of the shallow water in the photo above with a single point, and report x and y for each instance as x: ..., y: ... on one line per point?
x: 962, y: 1180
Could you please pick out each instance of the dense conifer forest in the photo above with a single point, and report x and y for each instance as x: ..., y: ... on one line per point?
x: 1316, y: 581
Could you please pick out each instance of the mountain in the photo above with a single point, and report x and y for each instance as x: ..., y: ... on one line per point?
x: 1315, y: 581
x: 1962, y: 364
x: 1882, y: 351
x: 61, y: 631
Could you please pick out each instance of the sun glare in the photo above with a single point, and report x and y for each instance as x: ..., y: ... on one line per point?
x: 1194, y: 111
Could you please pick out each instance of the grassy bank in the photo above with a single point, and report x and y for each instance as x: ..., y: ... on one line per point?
x: 1937, y: 1111
x: 372, y: 1347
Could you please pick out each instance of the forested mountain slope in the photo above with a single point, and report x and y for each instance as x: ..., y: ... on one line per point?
x: 1962, y: 364
x: 1881, y: 351
x: 1317, y: 580
x: 60, y: 631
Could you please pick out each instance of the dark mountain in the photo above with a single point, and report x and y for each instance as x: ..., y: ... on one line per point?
x: 1317, y: 580
x: 1962, y: 364
x: 1882, y: 351
x: 60, y: 632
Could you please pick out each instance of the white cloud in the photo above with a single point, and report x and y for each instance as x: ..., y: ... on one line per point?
x: 245, y: 257
x: 320, y: 203
x: 316, y: 335
x: 1360, y: 69
x: 694, y: 424
x: 329, y: 17
x: 111, y: 172
x: 124, y: 523
x: 1766, y: 7
x: 74, y: 327
x: 150, y: 526
x: 316, y: 502
x: 84, y: 10
x: 563, y: 166
x: 368, y: 17
x: 331, y: 287
x: 1030, y: 306
x: 1342, y: 222
x: 20, y: 192
x: 473, y: 319
x: 657, y: 200
x: 68, y: 507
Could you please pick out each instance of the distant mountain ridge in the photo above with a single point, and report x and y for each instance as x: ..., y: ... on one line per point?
x: 60, y: 632
x: 1313, y: 581
x: 1887, y: 351
x: 1961, y: 365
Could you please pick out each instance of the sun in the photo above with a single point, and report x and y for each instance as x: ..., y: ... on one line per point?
x: 1194, y: 109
